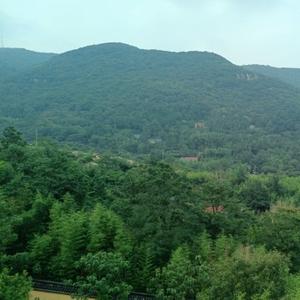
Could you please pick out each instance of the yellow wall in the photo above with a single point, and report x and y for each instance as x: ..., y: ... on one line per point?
x: 36, y: 295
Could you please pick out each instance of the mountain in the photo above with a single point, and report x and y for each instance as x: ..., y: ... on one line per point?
x: 116, y: 97
x: 15, y: 60
x: 287, y: 75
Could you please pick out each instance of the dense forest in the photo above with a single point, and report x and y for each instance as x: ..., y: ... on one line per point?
x: 109, y: 225
x: 16, y: 61
x: 118, y: 98
x: 174, y: 174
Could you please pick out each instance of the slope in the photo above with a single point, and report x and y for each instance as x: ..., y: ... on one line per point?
x: 15, y: 60
x: 123, y: 99
x: 287, y: 75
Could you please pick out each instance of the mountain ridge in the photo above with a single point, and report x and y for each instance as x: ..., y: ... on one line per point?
x: 116, y: 97
x: 284, y: 74
x: 15, y: 60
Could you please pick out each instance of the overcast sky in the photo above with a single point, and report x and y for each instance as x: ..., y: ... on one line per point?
x: 244, y: 31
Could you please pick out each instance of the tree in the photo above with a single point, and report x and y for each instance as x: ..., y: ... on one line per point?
x: 16, y: 287
x: 11, y: 136
x: 279, y: 230
x: 293, y: 287
x: 72, y: 239
x: 34, y: 220
x: 165, y: 199
x: 179, y: 279
x: 103, y: 275
x: 107, y: 232
x: 12, y: 146
x: 248, y: 273
x: 53, y: 170
x: 142, y: 267
x: 8, y: 221
x: 42, y: 249
x: 256, y: 195
x: 239, y: 175
x: 6, y: 172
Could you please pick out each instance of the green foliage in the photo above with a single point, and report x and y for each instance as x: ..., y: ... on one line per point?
x: 112, y: 225
x: 15, y: 287
x: 256, y: 195
x: 293, y: 288
x: 123, y: 99
x: 166, y: 200
x: 8, y: 221
x: 107, y: 232
x: 103, y: 274
x: 41, y: 249
x: 72, y: 238
x: 180, y: 279
x: 279, y: 230
x: 247, y: 273
x: 11, y: 136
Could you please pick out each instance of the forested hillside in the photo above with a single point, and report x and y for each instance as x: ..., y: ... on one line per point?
x: 109, y: 226
x: 14, y: 61
x: 287, y: 75
x: 115, y: 97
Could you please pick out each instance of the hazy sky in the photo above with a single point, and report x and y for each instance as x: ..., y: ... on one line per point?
x: 244, y: 31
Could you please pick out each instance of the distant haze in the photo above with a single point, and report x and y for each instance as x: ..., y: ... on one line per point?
x: 243, y: 31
